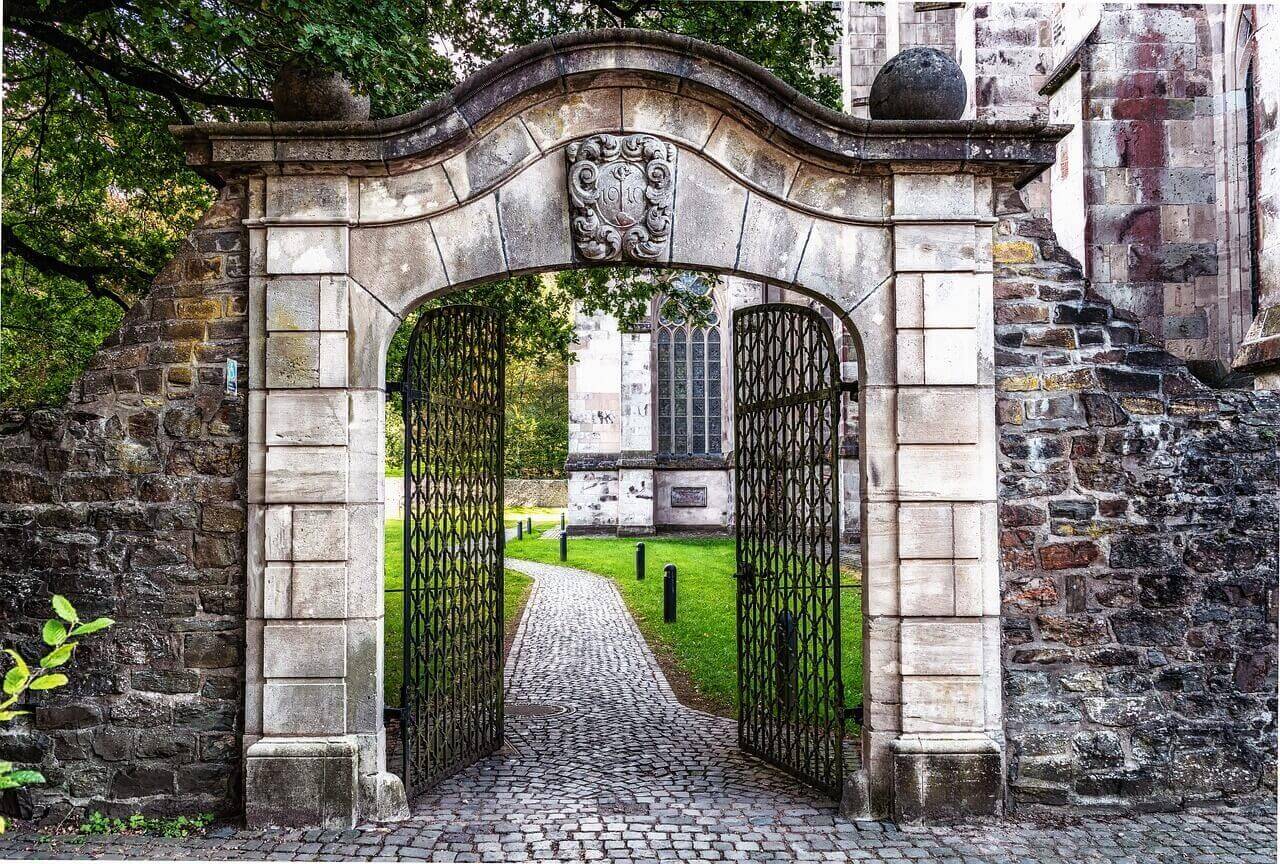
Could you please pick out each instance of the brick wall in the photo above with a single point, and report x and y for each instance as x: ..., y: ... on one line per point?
x: 1139, y: 561
x: 129, y: 500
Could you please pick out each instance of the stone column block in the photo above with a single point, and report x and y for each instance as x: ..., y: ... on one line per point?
x: 304, y: 650
x: 307, y: 417
x: 306, y: 249
x: 306, y: 708
x: 319, y: 590
x: 306, y: 475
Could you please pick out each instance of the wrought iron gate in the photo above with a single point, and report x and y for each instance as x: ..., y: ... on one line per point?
x: 451, y: 704
x: 786, y: 414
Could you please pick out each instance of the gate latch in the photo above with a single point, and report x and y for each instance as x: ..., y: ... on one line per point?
x: 746, y: 578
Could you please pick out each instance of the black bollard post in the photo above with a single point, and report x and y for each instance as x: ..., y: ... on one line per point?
x: 639, y: 561
x: 669, y: 593
x: 564, y: 545
x: 519, y: 530
x: 562, y: 526
x: 529, y: 525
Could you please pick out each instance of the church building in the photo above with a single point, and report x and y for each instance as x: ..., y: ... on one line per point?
x: 1166, y: 193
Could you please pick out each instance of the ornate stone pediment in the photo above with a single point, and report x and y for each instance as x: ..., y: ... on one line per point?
x: 620, y: 196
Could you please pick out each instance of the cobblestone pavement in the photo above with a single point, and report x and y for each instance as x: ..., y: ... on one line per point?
x: 602, y: 763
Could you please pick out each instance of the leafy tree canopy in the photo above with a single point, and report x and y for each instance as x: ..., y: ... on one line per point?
x: 95, y: 193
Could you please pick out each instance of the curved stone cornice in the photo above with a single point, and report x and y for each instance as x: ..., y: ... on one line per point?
x: 620, y: 58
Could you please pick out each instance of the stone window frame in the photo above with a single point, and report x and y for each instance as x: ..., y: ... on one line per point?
x: 667, y: 330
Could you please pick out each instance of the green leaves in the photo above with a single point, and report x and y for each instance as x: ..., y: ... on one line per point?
x: 64, y: 610
x: 94, y: 181
x: 93, y: 626
x: 57, y: 656
x: 54, y: 632
x: 49, y: 682
x: 13, y: 681
x: 18, y: 663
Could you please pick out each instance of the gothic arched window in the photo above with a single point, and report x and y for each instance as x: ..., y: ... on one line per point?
x: 687, y: 362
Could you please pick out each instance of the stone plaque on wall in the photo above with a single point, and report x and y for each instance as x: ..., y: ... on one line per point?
x: 688, y: 496
x: 620, y: 189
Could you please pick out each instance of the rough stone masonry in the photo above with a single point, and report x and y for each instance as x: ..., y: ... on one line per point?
x: 1138, y: 535
x: 129, y: 500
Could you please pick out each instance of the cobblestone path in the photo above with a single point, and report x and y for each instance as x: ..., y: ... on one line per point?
x: 602, y: 763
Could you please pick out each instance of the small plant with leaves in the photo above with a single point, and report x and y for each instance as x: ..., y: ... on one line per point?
x: 61, y: 634
x: 172, y: 826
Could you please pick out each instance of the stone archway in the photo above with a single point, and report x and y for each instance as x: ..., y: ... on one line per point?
x: 351, y: 225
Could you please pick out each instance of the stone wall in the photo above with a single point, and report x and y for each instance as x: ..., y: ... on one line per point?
x: 527, y: 492
x: 1139, y: 561
x: 129, y: 501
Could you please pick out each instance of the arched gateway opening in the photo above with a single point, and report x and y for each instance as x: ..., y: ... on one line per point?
x: 354, y: 224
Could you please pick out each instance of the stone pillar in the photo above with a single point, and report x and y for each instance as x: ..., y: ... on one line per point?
x: 947, y: 751
x: 635, y: 461
x: 313, y: 730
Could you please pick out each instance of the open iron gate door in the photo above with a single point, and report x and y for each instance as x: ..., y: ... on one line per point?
x: 786, y: 411
x: 453, y: 543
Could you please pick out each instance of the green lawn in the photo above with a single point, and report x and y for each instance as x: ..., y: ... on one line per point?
x: 516, y: 587
x: 543, y: 517
x: 703, y: 641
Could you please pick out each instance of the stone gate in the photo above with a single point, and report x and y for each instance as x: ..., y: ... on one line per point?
x: 353, y: 225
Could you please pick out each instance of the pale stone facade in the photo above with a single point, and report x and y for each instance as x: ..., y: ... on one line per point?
x: 621, y: 477
x: 352, y: 225
x: 1152, y: 192
x: 1166, y: 190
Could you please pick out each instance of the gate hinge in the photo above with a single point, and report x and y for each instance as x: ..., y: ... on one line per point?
x: 849, y: 387
x: 392, y: 388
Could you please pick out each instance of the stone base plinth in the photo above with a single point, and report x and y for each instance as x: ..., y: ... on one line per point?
x: 301, y: 782
x: 946, y: 779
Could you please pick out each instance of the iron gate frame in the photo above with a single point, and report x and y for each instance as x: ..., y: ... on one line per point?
x: 430, y: 755
x: 762, y: 732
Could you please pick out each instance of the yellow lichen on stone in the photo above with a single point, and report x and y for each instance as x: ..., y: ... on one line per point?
x: 1013, y: 252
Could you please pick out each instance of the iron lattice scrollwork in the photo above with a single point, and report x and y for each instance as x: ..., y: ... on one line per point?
x: 453, y: 397
x: 786, y: 410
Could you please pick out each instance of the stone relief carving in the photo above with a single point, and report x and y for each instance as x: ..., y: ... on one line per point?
x: 620, y: 196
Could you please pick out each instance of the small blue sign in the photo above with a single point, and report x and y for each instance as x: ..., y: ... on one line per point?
x: 233, y: 376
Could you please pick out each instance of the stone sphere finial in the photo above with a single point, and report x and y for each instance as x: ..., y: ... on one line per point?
x: 918, y: 84
x: 304, y: 93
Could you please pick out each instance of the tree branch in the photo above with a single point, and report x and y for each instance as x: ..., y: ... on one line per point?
x: 153, y: 81
x: 90, y: 277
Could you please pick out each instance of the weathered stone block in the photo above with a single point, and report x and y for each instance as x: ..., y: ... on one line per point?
x: 575, y: 115
x: 306, y: 475
x: 942, y: 704
x: 685, y: 120
x: 924, y: 531
x: 711, y: 208
x: 746, y: 154
x: 534, y: 211
x: 397, y: 264
x: 773, y: 239
x: 319, y: 590
x: 307, y: 197
x: 949, y: 195
x: 311, y: 417
x: 307, y: 249
x: 470, y: 242
x: 303, y: 650
x: 319, y: 534
x: 937, y: 787
x: 926, y: 588
x: 476, y: 169
x: 941, y: 647
x: 404, y: 196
